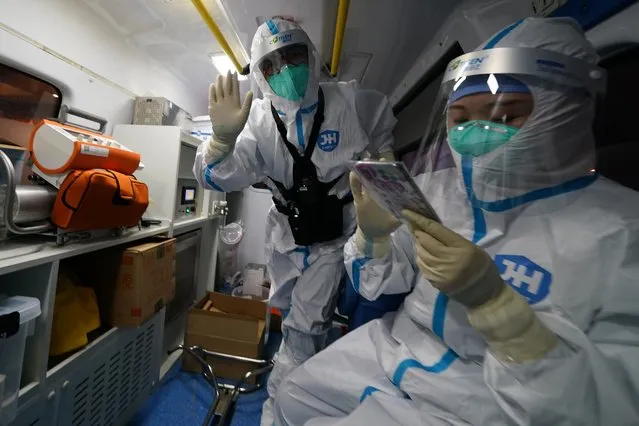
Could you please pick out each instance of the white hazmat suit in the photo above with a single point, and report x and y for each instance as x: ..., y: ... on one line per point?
x: 564, y: 239
x: 304, y: 279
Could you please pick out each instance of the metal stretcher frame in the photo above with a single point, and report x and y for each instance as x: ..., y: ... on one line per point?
x: 225, y: 395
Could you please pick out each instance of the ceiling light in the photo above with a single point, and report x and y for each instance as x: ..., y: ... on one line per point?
x: 201, y: 118
x: 224, y: 64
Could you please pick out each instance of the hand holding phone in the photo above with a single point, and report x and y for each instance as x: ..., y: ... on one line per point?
x: 392, y: 187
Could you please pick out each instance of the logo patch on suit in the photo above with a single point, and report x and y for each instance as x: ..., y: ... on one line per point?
x: 524, y: 276
x: 328, y: 140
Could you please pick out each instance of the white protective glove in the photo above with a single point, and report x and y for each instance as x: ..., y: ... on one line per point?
x: 228, y: 117
x: 467, y: 274
x: 374, y: 223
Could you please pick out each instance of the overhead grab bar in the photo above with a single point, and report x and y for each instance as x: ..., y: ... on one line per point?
x: 208, y: 20
x: 340, y: 26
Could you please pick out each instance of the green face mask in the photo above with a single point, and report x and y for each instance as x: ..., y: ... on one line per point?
x: 291, y: 82
x: 478, y: 137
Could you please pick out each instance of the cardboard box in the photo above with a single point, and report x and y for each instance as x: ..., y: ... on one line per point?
x: 230, y: 325
x: 132, y: 283
x: 146, y: 282
x: 16, y: 132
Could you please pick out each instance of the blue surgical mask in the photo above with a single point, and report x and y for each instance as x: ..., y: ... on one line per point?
x: 290, y: 83
x: 478, y: 137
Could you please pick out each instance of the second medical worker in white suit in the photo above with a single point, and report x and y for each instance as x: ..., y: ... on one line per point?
x: 524, y: 304
x: 299, y: 138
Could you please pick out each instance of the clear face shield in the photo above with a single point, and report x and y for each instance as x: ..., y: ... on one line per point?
x: 509, y: 126
x: 287, y: 65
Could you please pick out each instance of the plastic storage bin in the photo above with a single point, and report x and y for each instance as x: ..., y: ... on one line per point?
x: 230, y: 238
x: 17, y: 321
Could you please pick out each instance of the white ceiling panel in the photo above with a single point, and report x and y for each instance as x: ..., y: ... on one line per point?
x: 127, y: 16
x: 382, y: 40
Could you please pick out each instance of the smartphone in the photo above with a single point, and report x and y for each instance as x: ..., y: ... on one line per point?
x: 392, y: 186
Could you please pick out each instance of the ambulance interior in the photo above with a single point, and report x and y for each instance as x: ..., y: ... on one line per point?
x: 129, y: 79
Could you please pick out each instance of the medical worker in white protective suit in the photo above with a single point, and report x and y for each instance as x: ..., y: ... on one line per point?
x: 303, y: 157
x: 523, y: 308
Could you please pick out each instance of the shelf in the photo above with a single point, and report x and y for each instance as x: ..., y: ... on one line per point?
x: 190, y: 140
x: 26, y: 394
x: 88, y: 349
x: 93, y: 336
x: 22, y: 254
x: 183, y: 224
x: 31, y: 401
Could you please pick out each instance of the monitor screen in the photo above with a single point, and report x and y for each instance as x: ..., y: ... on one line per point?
x: 188, y: 194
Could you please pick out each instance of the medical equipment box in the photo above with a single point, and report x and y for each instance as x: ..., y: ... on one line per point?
x: 17, y: 321
x: 57, y: 149
x: 131, y: 283
x: 145, y: 282
x: 155, y: 111
x: 229, y: 325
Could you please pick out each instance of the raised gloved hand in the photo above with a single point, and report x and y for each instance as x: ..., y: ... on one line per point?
x: 467, y: 274
x: 228, y: 117
x: 374, y: 223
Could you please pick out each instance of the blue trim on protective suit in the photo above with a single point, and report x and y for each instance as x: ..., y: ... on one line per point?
x: 300, y: 130
x: 367, y: 392
x: 272, y: 27
x: 357, y: 265
x: 308, y: 109
x: 478, y: 216
x: 300, y: 124
x: 513, y: 202
x: 207, y: 175
x: 439, y: 319
x: 538, y: 194
x: 439, y: 315
x: 306, y: 251
x: 503, y: 33
x: 449, y: 357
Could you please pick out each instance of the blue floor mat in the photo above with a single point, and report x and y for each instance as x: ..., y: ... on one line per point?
x: 184, y: 398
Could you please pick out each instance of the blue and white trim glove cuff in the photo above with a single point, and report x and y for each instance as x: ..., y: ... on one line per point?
x: 372, y: 247
x: 511, y: 328
x: 216, y: 150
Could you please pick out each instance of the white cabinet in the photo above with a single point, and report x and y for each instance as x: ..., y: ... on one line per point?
x: 108, y: 380
x: 168, y: 154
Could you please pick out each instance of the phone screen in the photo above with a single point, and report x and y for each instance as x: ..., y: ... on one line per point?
x: 390, y: 184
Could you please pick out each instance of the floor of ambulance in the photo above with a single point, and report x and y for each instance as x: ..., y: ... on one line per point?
x: 184, y: 398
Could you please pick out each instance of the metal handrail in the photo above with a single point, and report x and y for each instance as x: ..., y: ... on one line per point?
x: 208, y: 20
x: 9, y: 201
x: 340, y: 26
